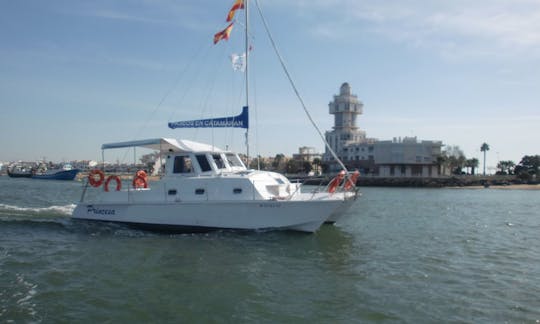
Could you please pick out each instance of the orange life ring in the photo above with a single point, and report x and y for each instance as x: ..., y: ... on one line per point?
x: 118, y: 182
x: 92, y: 177
x: 332, y: 186
x: 139, y: 182
x: 351, y: 182
x: 141, y: 173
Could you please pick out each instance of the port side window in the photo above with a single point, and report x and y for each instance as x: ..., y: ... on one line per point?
x: 182, y: 164
x: 234, y: 160
x: 203, y: 163
x: 219, y: 161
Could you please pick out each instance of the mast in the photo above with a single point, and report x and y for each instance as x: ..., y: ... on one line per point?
x: 246, y: 71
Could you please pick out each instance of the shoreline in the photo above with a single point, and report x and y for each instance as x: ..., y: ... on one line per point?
x: 499, y: 187
x: 449, y: 183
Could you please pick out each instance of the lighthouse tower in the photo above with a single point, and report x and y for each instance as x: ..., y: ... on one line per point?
x: 345, y: 108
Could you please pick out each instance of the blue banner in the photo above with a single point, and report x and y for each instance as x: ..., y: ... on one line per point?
x: 240, y: 121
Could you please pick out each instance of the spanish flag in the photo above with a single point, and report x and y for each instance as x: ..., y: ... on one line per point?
x: 238, y: 4
x: 224, y: 34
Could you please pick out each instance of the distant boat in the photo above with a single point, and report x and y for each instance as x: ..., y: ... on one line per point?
x: 20, y: 170
x: 67, y: 172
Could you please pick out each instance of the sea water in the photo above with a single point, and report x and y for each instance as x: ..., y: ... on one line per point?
x: 399, y: 255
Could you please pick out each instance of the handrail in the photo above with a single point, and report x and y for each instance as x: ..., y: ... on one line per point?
x: 85, y: 187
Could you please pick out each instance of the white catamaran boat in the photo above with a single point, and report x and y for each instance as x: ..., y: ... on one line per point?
x: 205, y: 188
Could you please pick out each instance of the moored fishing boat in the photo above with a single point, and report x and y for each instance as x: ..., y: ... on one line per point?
x: 67, y: 172
x: 20, y: 170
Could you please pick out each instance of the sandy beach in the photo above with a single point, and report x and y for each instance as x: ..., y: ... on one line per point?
x: 506, y: 187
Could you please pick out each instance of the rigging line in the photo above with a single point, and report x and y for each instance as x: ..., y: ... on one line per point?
x: 163, y: 98
x: 256, y: 113
x: 284, y: 67
x: 210, y: 91
x: 184, y: 73
x: 234, y: 103
x: 202, y: 83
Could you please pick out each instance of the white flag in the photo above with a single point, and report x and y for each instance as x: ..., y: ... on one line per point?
x: 238, y: 62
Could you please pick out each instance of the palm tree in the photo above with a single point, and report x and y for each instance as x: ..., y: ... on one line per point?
x: 442, y: 159
x: 484, y: 148
x: 473, y: 164
x: 506, y: 167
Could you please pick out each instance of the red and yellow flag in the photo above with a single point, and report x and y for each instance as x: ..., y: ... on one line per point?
x: 238, y: 4
x: 224, y: 34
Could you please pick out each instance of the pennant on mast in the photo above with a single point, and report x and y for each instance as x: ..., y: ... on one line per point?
x: 238, y: 62
x: 224, y: 34
x: 238, y: 4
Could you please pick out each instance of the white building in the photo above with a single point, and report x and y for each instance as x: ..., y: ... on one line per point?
x: 307, y: 153
x: 407, y: 157
x: 396, y: 158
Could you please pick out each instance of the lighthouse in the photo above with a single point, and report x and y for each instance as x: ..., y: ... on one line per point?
x: 346, y: 108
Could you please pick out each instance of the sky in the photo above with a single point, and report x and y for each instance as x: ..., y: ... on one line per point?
x: 76, y: 74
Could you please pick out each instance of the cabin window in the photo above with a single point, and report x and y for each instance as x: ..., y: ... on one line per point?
x: 234, y: 160
x: 219, y: 161
x: 172, y: 192
x: 203, y: 163
x: 199, y: 191
x: 237, y: 191
x: 182, y: 164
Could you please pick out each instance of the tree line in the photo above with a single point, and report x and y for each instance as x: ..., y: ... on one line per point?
x: 453, y: 161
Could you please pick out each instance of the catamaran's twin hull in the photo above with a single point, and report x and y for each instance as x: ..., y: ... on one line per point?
x: 305, y: 216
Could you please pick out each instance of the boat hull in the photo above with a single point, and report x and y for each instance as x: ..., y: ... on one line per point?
x: 19, y: 174
x: 304, y: 216
x: 60, y: 175
x: 338, y: 213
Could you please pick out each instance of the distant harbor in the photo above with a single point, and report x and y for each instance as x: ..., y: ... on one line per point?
x: 316, y: 177
x: 495, y: 181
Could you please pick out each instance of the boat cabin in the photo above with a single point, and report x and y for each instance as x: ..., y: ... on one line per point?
x: 196, y: 171
x: 202, y: 163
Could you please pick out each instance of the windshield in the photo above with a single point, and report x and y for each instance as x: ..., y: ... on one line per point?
x: 234, y: 160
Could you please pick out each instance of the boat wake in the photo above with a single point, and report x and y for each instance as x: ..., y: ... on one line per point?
x: 57, y: 217
x: 31, y: 211
x: 35, y: 216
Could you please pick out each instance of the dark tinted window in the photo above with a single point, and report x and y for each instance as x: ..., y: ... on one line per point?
x: 219, y: 161
x: 182, y: 164
x: 203, y: 163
